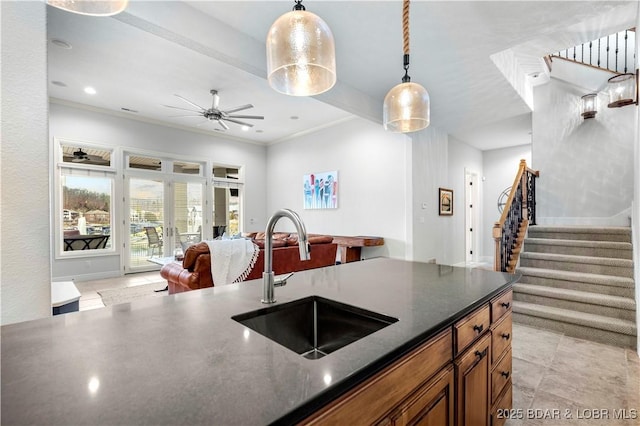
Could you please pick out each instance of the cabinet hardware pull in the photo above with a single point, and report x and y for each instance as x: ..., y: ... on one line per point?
x: 505, y: 374
x: 482, y: 354
x: 505, y: 305
x: 506, y: 336
x: 478, y: 328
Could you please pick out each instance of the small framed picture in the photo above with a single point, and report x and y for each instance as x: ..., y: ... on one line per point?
x: 445, y: 202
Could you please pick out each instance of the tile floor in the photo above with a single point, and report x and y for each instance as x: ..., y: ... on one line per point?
x: 557, y: 380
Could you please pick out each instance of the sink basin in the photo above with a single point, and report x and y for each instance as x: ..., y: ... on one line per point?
x: 314, y: 326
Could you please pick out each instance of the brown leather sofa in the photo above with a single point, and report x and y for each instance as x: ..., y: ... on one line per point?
x: 195, y: 270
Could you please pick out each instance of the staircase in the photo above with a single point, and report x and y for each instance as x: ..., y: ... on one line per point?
x: 579, y: 281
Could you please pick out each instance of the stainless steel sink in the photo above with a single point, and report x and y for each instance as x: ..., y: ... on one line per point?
x: 314, y: 326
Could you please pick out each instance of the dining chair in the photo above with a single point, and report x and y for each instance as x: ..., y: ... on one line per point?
x: 153, y: 240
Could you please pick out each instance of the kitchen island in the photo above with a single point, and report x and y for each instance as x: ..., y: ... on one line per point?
x: 182, y: 359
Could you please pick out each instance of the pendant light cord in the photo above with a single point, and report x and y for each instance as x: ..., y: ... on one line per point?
x: 405, y: 40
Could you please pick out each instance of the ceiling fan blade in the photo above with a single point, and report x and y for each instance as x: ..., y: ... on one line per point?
x: 238, y: 122
x: 183, y: 109
x: 190, y: 103
x: 238, y: 108
x: 253, y: 117
x: 224, y: 125
x: 204, y: 122
x: 191, y: 115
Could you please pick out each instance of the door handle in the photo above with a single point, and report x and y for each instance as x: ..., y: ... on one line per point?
x: 506, y: 336
x: 478, y: 328
x: 505, y: 374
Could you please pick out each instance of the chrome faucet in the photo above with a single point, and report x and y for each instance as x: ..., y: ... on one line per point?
x: 303, y: 245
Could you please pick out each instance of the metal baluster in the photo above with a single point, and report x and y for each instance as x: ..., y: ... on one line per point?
x: 599, y: 52
x: 626, y: 35
x: 608, y: 51
x: 616, y: 68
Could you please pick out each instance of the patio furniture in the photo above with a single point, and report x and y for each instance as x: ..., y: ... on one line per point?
x: 153, y: 240
x: 85, y: 242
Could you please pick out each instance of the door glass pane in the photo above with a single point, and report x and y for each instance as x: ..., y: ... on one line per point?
x: 226, y: 211
x: 146, y: 217
x: 86, y: 212
x: 183, y: 167
x: 144, y: 163
x: 187, y: 214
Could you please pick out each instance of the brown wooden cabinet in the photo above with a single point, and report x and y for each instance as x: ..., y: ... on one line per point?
x: 462, y: 376
x: 431, y: 405
x: 473, y: 384
x: 372, y: 401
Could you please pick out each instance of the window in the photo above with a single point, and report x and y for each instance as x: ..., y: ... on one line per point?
x: 85, y: 194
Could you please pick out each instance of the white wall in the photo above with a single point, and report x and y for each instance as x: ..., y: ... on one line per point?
x: 500, y: 168
x: 431, y: 232
x: 114, y: 131
x: 372, y: 180
x: 25, y: 243
x: 586, y: 166
x: 463, y: 158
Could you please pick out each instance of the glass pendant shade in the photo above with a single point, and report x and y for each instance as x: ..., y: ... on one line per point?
x: 589, y: 105
x: 622, y: 90
x: 406, y: 108
x: 91, y: 7
x: 301, y: 59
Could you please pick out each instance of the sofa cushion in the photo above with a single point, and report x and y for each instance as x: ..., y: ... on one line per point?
x: 276, y: 243
x: 311, y: 239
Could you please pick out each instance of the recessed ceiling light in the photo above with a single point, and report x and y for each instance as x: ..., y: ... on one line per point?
x: 245, y: 128
x: 60, y: 43
x: 58, y: 83
x: 294, y: 117
x: 90, y: 90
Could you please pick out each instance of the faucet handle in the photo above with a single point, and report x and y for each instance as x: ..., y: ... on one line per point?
x: 280, y: 280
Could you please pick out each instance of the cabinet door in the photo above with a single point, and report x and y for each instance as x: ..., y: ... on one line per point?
x: 473, y: 379
x: 431, y: 405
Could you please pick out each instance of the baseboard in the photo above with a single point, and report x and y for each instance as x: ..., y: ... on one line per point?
x: 88, y: 277
x: 621, y: 219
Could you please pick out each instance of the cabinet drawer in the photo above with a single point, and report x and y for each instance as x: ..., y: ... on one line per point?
x: 368, y: 402
x: 470, y: 328
x: 500, y: 375
x: 501, y: 305
x: 502, y: 407
x: 501, y: 335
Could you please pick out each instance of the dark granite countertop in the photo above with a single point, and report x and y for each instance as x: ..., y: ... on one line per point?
x: 182, y: 359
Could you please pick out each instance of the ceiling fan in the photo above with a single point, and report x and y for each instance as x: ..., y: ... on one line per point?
x: 215, y: 113
x: 79, y: 156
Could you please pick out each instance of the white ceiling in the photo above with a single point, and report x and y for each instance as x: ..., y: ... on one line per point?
x: 140, y: 58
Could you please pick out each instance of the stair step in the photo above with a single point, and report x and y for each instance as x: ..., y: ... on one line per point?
x: 594, y: 283
x: 583, y: 325
x: 587, y: 264
x: 614, y: 249
x: 592, y: 233
x: 582, y: 301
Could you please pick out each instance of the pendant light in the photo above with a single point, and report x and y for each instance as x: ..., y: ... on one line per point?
x: 301, y: 57
x: 90, y: 7
x: 406, y: 106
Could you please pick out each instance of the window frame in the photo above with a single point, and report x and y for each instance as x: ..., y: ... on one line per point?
x: 63, y: 169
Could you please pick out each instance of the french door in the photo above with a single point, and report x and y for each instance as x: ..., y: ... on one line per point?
x: 163, y: 216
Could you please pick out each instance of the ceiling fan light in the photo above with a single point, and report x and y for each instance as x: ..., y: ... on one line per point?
x: 91, y: 7
x: 406, y: 108
x: 301, y: 58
